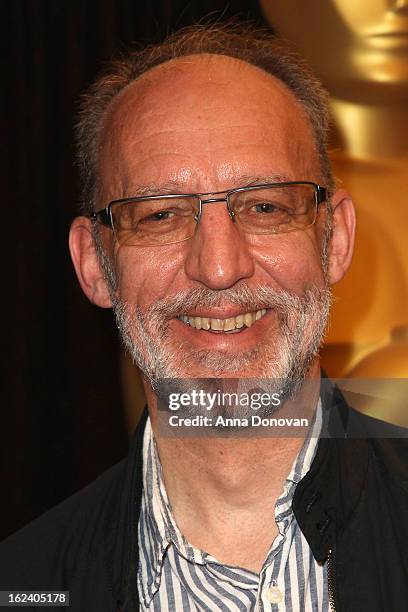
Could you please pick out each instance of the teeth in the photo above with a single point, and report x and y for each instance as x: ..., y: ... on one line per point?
x: 248, y: 320
x: 229, y: 324
x: 217, y: 324
x: 239, y: 321
x: 205, y: 323
x: 225, y: 325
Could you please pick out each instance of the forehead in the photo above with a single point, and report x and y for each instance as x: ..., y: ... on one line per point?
x: 201, y: 121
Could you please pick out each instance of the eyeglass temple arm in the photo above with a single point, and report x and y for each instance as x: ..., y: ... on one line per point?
x: 103, y: 216
x: 321, y: 194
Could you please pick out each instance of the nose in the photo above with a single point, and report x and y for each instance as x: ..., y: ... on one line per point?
x: 218, y: 254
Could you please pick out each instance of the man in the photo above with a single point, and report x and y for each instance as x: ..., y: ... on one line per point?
x: 213, y: 228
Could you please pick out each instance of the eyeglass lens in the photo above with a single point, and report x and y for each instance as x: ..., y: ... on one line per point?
x: 167, y: 220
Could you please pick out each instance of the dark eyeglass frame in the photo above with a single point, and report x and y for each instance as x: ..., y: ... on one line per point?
x: 105, y: 217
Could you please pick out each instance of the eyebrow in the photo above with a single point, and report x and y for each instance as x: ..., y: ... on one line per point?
x: 249, y: 180
x: 173, y: 187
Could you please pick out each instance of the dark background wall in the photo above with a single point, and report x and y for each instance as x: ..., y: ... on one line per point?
x: 61, y: 420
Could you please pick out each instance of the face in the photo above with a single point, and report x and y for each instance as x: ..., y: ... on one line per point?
x: 377, y: 18
x: 370, y: 37
x: 199, y: 125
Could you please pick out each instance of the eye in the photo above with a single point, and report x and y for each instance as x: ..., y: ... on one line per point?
x: 266, y: 207
x: 162, y: 215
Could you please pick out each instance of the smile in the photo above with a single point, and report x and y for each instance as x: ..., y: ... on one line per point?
x: 232, y: 324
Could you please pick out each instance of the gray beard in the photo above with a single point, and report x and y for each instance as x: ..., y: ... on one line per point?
x: 301, y: 321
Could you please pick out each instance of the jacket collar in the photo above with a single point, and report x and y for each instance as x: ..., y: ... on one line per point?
x: 328, y: 494
x: 126, y: 546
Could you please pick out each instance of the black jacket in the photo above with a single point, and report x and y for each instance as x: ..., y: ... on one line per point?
x: 353, y: 502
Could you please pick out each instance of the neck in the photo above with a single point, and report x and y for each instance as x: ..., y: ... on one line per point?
x: 224, y: 489
x: 370, y: 131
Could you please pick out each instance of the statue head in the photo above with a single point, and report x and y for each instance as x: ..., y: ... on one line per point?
x: 359, y: 48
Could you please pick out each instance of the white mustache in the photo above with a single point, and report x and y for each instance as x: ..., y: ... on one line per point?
x: 250, y: 299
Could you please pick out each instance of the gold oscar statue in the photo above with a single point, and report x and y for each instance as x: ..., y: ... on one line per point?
x: 360, y: 50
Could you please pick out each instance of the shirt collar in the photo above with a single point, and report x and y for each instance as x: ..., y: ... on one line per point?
x: 157, y: 521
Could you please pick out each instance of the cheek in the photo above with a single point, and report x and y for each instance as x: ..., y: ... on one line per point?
x: 293, y: 261
x: 148, y: 274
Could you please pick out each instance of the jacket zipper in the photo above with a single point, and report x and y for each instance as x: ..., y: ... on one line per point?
x: 330, y: 579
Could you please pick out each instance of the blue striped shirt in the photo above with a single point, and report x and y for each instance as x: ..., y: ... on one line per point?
x: 174, y: 575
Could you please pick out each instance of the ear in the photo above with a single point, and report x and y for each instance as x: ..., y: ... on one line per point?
x: 342, y: 241
x: 86, y: 263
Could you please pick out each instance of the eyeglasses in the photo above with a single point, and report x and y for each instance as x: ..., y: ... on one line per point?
x: 273, y: 208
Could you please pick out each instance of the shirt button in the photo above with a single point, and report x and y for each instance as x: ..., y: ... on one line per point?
x: 273, y: 595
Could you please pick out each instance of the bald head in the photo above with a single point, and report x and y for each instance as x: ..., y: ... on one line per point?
x: 204, y: 123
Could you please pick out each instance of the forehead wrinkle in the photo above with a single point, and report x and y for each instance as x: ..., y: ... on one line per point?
x: 203, y: 112
x: 205, y: 128
x: 174, y: 187
x: 156, y: 123
x: 184, y: 174
x: 173, y: 146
